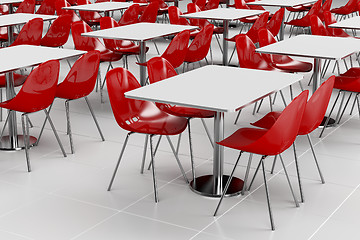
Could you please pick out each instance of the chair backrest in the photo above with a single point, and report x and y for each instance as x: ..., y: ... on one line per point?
x: 87, y: 15
x: 200, y: 3
x: 241, y: 4
x: 200, y: 46
x: 212, y: 4
x: 316, y: 107
x: 58, y: 33
x: 315, y: 8
x: 259, y: 23
x: 174, y: 16
x: 150, y: 13
x: 247, y: 56
x: 274, y: 23
x: 31, y: 33
x: 59, y: 4
x: 351, y: 5
x: 81, y: 79
x: 284, y: 131
x: 84, y: 43
x: 325, y: 7
x: 317, y: 27
x: 330, y: 19
x: 159, y: 69
x: 27, y: 6
x: 108, y: 22
x: 192, y: 8
x: 39, y: 89
x: 130, y: 16
x: 47, y: 7
x: 176, y: 51
x: 125, y: 110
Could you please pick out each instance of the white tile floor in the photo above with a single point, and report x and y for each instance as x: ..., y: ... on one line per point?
x: 66, y: 198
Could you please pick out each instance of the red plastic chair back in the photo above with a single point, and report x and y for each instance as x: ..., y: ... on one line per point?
x: 47, y: 7
x: 241, y: 4
x: 27, y: 6
x: 159, y: 69
x: 174, y: 16
x: 330, y: 19
x: 192, y: 8
x: 316, y: 107
x: 315, y: 8
x: 274, y: 23
x: 4, y: 9
x: 176, y: 51
x: 59, y: 4
x: 39, y: 89
x: 325, y: 7
x: 88, y: 16
x: 200, y: 3
x: 247, y: 56
x: 259, y: 23
x: 81, y: 79
x: 150, y: 13
x: 200, y: 46
x: 349, y: 7
x: 212, y: 4
x: 317, y: 27
x: 58, y: 33
x: 130, y: 16
x: 85, y: 43
x: 30, y: 33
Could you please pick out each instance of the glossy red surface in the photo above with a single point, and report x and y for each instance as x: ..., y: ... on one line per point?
x: 349, y: 81
x: 336, y: 32
x: 30, y: 33
x: 81, y: 79
x: 200, y: 46
x: 18, y: 79
x: 177, y: 49
x: 305, y: 21
x: 27, y: 6
x: 130, y: 16
x: 174, y: 17
x: 160, y: 69
x: 211, y: 4
x: 59, y: 4
x: 275, y: 21
x: 47, y: 7
x: 282, y: 62
x: 136, y: 115
x: 201, y: 23
x: 58, y: 33
x: 314, y: 112
x: 90, y: 17
x: 150, y: 13
x: 271, y: 141
x: 163, y: 7
x: 350, y: 7
x: 90, y: 43
x: 325, y: 7
x: 317, y: 27
x: 38, y: 91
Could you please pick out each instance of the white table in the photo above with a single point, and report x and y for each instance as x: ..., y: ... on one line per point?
x: 22, y: 56
x: 10, y: 20
x: 281, y: 4
x: 350, y: 23
x: 10, y: 3
x: 140, y: 32
x: 221, y: 89
x: 226, y: 15
x: 105, y: 7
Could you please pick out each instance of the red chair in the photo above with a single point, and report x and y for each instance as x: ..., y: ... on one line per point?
x: 211, y: 4
x: 142, y: 8
x: 163, y: 7
x: 282, y: 62
x: 120, y: 46
x: 200, y: 46
x: 59, y: 4
x: 241, y: 4
x: 317, y: 27
x: 36, y: 94
x: 30, y: 33
x: 89, y: 44
x: 4, y: 9
x: 160, y: 69
x: 174, y: 18
x: 200, y: 3
x: 58, y: 33
x: 91, y: 18
x: 150, y: 13
x: 138, y: 116
x: 305, y: 21
x: 27, y: 6
x: 192, y: 8
x: 47, y: 7
x: 350, y: 7
x: 79, y: 83
x: 268, y: 142
x: 325, y: 7
x: 313, y: 116
x: 336, y: 32
x: 130, y: 16
x: 275, y: 21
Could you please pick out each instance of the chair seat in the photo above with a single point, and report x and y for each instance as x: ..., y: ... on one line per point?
x: 218, y: 30
x: 303, y: 22
x: 294, y: 66
x: 343, y: 11
x: 18, y: 80
x: 352, y: 72
x: 267, y: 121
x: 186, y: 111
x: 347, y: 83
x: 130, y: 49
x: 107, y: 55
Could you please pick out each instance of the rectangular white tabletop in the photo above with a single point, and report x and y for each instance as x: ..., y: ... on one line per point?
x: 22, y: 18
x: 323, y: 47
x: 139, y: 31
x: 281, y: 3
x: 350, y: 23
x: 21, y: 56
x: 103, y: 6
x: 223, y: 14
x: 10, y: 1
x: 217, y: 88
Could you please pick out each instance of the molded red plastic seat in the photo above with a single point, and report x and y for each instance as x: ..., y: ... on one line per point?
x: 30, y: 33
x: 305, y: 21
x: 130, y: 16
x: 348, y: 8
x: 58, y: 33
x: 47, y: 7
x: 275, y: 21
x: 268, y: 142
x: 4, y: 9
x: 192, y: 8
x: 150, y: 13
x: 317, y: 27
x: 211, y: 4
x: 163, y: 7
x: 336, y: 32
x: 27, y: 6
x: 282, y: 62
x: 59, y: 4
x: 325, y: 7
x: 90, y: 17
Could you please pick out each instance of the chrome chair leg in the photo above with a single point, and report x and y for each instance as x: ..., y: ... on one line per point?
x: 55, y: 132
x: 178, y: 144
x: 247, y: 174
x: 153, y: 169
x: 340, y: 107
x: 328, y: 118
x: 227, y: 184
x: 273, y: 165
x: 253, y: 178
x: 177, y: 159
x: 69, y: 126
x: 144, y: 154
x: 156, y: 148
x: 43, y: 126
x: 288, y: 180
x: 267, y: 194
x: 315, y: 158
x: 118, y: 162
x: 298, y: 174
x: 344, y: 108
x: 95, y: 120
x: 283, y: 98
x: 25, y: 128
x: 207, y: 132
x: 237, y: 117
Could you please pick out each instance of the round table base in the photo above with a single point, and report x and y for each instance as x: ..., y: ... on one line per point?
x: 204, y: 186
x: 5, y: 144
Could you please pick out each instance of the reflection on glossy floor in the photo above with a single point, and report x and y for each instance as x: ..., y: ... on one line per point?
x: 66, y: 198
